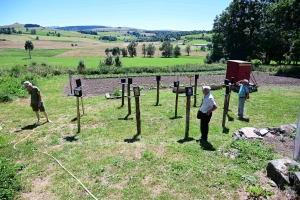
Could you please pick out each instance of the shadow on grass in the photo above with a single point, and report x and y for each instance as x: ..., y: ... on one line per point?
x: 225, y: 130
x: 184, y: 140
x: 133, y: 139
x: 70, y: 138
x: 30, y: 127
x: 244, y: 119
x: 172, y: 118
x: 231, y: 119
x: 126, y: 118
x: 207, y: 146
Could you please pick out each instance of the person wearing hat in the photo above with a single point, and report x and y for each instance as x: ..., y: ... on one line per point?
x: 36, y: 101
x: 207, y: 107
x: 243, y: 95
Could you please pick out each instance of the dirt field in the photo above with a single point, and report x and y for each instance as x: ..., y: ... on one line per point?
x: 94, y: 87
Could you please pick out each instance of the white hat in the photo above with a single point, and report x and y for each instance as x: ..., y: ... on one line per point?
x: 245, y: 80
x: 206, y: 87
x: 27, y: 83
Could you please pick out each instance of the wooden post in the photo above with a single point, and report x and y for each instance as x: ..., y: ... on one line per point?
x: 187, y: 121
x: 123, y: 92
x: 82, y: 105
x: 176, y: 101
x: 226, y: 105
x: 78, y: 114
x: 195, y: 94
x: 157, y: 92
x: 70, y: 79
x: 128, y: 94
x: 138, y: 115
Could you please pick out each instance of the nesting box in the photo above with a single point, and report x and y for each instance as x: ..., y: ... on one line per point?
x: 189, y: 91
x: 238, y: 69
x: 78, y: 82
x: 176, y: 83
x: 157, y: 78
x: 129, y: 80
x: 77, y: 92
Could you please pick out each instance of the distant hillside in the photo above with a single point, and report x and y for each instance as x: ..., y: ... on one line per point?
x: 80, y: 28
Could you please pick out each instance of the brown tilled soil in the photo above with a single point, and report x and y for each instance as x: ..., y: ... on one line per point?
x: 94, y: 87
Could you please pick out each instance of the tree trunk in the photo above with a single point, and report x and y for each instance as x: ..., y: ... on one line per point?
x: 29, y: 54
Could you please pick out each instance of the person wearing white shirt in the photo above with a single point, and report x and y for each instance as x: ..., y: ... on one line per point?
x: 207, y: 107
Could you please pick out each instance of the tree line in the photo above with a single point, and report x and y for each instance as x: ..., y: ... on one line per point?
x: 267, y: 30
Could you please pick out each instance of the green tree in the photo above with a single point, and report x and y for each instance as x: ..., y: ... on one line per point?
x: 29, y: 46
x: 150, y: 50
x: 27, y: 29
x: 144, y: 50
x: 295, y: 51
x: 176, y: 52
x: 118, y: 61
x: 115, y: 51
x: 132, y: 49
x: 188, y: 49
x: 167, y: 49
x: 58, y: 34
x: 32, y: 31
x: 124, y: 52
x: 37, y: 38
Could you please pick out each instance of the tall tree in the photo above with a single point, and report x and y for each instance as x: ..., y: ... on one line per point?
x: 167, y: 49
x: 29, y: 46
x: 32, y: 31
x: 132, y: 49
x: 176, y: 52
x: 144, y: 50
x: 150, y: 50
x: 115, y: 51
x: 188, y: 49
x: 124, y: 52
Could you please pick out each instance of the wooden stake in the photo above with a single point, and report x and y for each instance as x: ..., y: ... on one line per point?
x: 78, y: 114
x: 138, y: 115
x: 157, y: 92
x: 195, y: 96
x: 225, y: 111
x: 187, y: 121
x: 82, y: 105
x: 176, y: 101
x: 129, y: 103
x: 123, y: 88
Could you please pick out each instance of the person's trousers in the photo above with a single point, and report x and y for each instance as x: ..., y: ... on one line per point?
x: 241, y: 106
x: 205, y: 119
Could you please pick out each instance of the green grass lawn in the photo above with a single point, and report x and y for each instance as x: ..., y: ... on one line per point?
x: 12, y: 57
x: 198, y: 42
x: 157, y: 166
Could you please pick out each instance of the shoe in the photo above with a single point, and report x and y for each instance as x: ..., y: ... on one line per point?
x: 38, y: 123
x: 49, y: 121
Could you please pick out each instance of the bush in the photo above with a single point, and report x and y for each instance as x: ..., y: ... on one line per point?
x: 81, y: 67
x: 222, y: 61
x: 33, y: 63
x: 118, y: 61
x: 293, y: 71
x: 43, y: 63
x: 109, y: 60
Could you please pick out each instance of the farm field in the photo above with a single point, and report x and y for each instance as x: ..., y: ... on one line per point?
x: 155, y: 167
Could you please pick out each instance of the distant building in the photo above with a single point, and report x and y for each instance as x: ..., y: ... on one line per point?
x: 200, y: 45
x: 172, y: 39
x: 180, y: 43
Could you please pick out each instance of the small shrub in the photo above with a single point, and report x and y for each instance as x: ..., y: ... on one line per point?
x: 118, y: 61
x: 33, y: 63
x: 81, y: 66
x: 222, y: 61
x: 117, y: 92
x: 43, y: 63
x: 109, y: 60
x: 257, y: 191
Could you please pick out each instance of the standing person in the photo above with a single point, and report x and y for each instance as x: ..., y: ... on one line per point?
x: 207, y: 107
x: 36, y: 101
x: 243, y: 95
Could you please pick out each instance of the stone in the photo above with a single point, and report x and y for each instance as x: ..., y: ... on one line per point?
x: 294, y: 125
x: 272, y: 183
x: 287, y: 128
x: 297, y: 181
x: 249, y: 133
x: 263, y: 132
x: 278, y: 171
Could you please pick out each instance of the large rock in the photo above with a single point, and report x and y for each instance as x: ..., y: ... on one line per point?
x: 249, y: 133
x: 287, y: 128
x: 278, y: 171
x: 297, y: 180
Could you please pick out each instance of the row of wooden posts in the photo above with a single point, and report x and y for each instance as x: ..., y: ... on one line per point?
x: 136, y: 94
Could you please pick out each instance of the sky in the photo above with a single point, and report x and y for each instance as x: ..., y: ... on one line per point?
x: 182, y: 15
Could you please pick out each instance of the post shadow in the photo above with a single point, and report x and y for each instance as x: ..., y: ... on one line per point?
x: 207, y: 146
x: 172, y: 118
x: 71, y: 138
x: 184, y: 140
x: 225, y: 130
x: 231, y: 119
x: 133, y: 139
x: 126, y: 117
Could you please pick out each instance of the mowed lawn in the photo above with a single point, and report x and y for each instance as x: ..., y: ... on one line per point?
x: 12, y: 57
x: 155, y: 167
